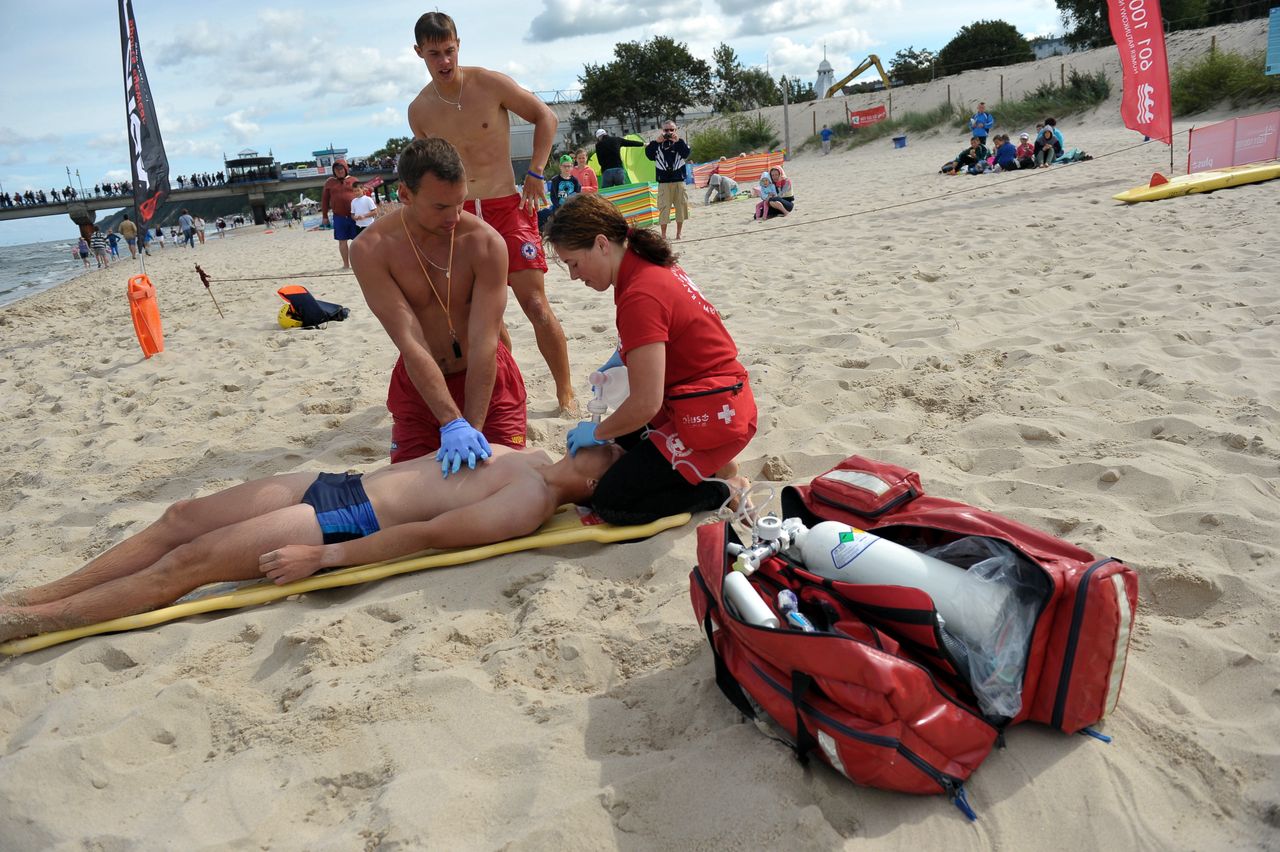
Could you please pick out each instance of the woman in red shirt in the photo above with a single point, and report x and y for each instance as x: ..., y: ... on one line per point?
x: 690, y: 410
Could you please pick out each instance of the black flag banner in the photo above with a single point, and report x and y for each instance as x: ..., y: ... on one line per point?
x: 146, y: 149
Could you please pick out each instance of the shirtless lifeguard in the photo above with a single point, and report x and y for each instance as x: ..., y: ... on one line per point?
x: 469, y: 107
x: 289, y: 526
x: 435, y: 277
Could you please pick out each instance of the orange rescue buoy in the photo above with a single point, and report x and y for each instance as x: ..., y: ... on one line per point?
x: 146, y: 315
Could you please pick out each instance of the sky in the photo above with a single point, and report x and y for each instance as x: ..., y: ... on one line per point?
x: 293, y: 77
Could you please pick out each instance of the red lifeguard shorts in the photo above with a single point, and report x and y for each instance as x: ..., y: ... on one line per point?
x: 415, y: 432
x: 518, y: 227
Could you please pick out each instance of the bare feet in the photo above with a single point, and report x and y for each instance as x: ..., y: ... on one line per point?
x: 15, y: 624
x: 569, y: 407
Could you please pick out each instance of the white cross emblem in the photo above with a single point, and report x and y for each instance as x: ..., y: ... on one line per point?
x: 726, y: 414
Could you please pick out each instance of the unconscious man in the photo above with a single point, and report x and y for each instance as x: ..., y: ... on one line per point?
x: 289, y: 526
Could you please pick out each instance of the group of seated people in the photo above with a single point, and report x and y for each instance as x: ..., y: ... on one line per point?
x: 1005, y: 156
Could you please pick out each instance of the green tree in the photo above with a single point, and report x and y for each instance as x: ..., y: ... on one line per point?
x: 655, y: 79
x: 912, y: 66
x: 392, y: 149
x: 1088, y: 26
x: 736, y: 89
x: 984, y: 44
x: 797, y: 91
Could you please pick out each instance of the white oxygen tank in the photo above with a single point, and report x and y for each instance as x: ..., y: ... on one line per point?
x: 971, y: 608
x: 747, y: 601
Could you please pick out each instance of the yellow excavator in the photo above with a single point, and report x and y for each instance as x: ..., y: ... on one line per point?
x: 866, y: 63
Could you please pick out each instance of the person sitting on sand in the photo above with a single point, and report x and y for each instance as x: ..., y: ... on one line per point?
x: 720, y: 188
x: 289, y: 526
x: 1026, y: 152
x: 1047, y: 148
x: 1006, y: 154
x: 971, y: 156
x: 786, y: 200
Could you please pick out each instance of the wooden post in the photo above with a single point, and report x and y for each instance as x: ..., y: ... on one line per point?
x: 815, y: 122
x: 1213, y: 45
x: 891, y: 104
x: 1062, y: 74
x: 1001, y: 88
x: 948, y: 96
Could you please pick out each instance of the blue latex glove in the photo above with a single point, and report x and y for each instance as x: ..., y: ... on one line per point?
x: 615, y: 360
x: 459, y: 440
x: 583, y: 435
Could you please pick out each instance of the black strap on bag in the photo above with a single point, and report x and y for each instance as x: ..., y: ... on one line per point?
x: 805, y: 740
x: 727, y: 682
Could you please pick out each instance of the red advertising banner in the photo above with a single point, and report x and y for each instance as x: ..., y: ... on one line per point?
x: 1257, y: 138
x: 1234, y: 142
x: 1137, y: 27
x: 863, y: 117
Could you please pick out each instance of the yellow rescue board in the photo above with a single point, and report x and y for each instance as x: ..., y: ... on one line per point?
x: 1203, y: 182
x: 568, y: 526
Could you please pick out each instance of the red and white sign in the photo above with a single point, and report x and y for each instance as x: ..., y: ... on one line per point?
x: 863, y: 117
x: 1136, y: 26
x: 1234, y: 142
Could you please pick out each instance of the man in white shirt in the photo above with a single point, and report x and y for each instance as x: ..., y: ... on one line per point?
x: 363, y: 210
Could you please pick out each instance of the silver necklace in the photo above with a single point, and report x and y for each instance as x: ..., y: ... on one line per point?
x: 458, y: 102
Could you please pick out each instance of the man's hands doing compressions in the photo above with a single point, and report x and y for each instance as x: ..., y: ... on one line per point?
x: 460, y: 440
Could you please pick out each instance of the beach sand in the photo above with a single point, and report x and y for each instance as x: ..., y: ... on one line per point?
x: 1105, y: 373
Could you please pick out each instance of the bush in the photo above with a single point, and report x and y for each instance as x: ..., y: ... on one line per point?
x: 742, y: 135
x: 1203, y: 84
x: 1081, y: 92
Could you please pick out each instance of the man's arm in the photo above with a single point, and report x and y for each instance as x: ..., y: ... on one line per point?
x: 624, y: 142
x: 324, y: 203
x: 488, y: 301
x: 515, y: 510
x: 383, y: 296
x: 521, y: 101
x: 651, y: 150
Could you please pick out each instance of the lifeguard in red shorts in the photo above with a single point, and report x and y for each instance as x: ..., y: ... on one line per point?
x: 435, y: 277
x: 469, y: 107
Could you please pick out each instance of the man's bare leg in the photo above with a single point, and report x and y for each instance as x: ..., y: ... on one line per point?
x: 227, y: 553
x: 345, y: 251
x: 530, y: 291
x: 180, y: 524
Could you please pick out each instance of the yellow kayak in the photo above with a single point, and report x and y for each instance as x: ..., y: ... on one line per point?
x: 1162, y: 187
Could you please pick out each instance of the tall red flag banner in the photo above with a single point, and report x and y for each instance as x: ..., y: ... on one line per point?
x: 146, y: 149
x: 1138, y: 29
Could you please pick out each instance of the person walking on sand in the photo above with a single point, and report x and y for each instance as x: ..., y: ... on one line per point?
x: 337, y: 194
x: 129, y: 231
x: 826, y: 133
x: 287, y: 527
x: 435, y: 277
x: 468, y: 106
x: 982, y: 122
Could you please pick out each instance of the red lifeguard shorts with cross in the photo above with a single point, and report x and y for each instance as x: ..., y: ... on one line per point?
x: 415, y: 432
x: 519, y: 228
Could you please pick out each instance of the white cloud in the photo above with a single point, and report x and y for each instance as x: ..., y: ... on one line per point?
x: 842, y: 48
x: 242, y: 128
x: 389, y: 117
x: 776, y: 16
x: 568, y: 18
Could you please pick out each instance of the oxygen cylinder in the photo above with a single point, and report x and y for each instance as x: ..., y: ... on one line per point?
x: 747, y: 601
x: 971, y: 608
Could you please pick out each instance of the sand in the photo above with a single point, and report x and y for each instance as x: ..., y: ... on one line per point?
x: 1106, y: 373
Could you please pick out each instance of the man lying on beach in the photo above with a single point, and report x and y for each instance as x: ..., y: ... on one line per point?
x: 289, y: 526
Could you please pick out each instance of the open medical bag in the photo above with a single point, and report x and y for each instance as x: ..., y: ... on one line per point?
x: 878, y: 690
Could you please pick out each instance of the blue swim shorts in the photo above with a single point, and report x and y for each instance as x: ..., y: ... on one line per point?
x: 342, y: 508
x: 344, y: 227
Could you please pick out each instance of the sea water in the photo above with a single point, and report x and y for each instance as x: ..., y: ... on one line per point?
x: 35, y: 267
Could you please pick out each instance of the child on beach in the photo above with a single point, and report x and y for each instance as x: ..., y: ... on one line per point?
x: 82, y: 249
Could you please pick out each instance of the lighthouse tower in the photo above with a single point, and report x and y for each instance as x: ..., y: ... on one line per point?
x: 826, y: 76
